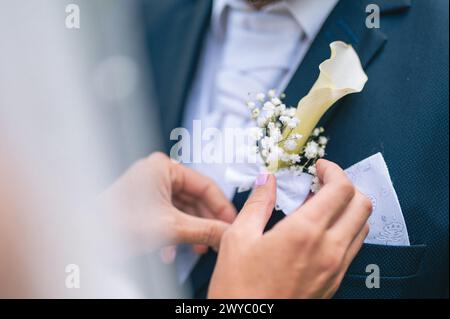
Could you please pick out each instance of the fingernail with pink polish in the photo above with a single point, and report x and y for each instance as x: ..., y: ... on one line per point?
x: 261, y: 179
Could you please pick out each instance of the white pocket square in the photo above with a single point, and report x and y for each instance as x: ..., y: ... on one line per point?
x: 387, y: 224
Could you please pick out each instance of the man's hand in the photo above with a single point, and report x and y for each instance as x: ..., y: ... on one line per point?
x: 303, y: 256
x: 158, y: 202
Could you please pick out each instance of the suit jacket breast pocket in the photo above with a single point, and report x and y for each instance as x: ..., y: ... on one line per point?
x: 398, y: 272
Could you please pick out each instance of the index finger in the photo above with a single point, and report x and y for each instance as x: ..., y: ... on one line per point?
x: 332, y: 199
x: 258, y: 208
x: 203, y: 189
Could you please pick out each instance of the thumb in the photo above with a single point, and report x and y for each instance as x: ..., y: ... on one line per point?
x: 257, y: 210
x: 197, y: 230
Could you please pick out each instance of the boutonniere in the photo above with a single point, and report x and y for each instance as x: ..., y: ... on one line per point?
x: 287, y: 140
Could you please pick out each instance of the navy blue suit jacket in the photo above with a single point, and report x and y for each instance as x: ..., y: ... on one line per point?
x: 402, y: 113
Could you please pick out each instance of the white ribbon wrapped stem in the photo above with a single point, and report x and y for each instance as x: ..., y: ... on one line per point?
x: 292, y: 188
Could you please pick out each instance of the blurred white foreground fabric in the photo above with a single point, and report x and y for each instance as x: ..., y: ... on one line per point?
x: 72, y: 117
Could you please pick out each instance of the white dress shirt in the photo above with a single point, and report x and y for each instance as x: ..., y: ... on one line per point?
x: 247, y: 51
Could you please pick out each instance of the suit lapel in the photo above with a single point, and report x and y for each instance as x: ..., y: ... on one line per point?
x: 345, y: 23
x: 175, y: 34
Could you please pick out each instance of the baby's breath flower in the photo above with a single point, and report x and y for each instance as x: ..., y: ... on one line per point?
x: 274, y: 132
x: 312, y: 170
x: 323, y: 140
x: 266, y: 142
x: 260, y: 97
x: 290, y: 111
x: 284, y: 119
x: 268, y: 106
x: 290, y: 145
x: 255, y: 113
x: 262, y: 121
x: 276, y: 101
x: 295, y: 158
x: 279, y: 109
x: 275, y: 154
x: 285, y: 157
x: 272, y: 93
x: 292, y: 122
x: 269, y: 113
x: 321, y: 152
x: 316, y: 132
x: 276, y: 135
x: 311, y: 150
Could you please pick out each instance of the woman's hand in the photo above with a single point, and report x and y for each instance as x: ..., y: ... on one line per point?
x: 305, y: 255
x: 158, y: 202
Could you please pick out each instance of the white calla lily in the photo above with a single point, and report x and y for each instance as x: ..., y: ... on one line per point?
x: 340, y: 75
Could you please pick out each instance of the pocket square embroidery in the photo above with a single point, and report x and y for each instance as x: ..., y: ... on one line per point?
x: 387, y: 224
